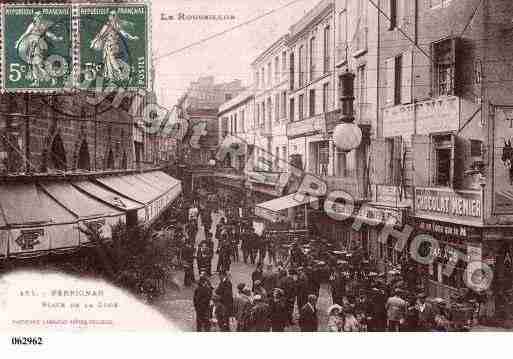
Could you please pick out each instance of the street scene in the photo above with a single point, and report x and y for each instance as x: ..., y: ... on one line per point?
x: 272, y: 166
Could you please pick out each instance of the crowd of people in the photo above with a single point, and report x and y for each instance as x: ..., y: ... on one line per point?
x: 285, y: 287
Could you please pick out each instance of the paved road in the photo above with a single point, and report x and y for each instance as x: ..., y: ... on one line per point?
x: 178, y: 307
x: 177, y: 304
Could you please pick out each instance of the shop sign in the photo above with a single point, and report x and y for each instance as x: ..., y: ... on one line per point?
x: 448, y: 229
x: 384, y: 215
x: 446, y: 253
x: 447, y: 204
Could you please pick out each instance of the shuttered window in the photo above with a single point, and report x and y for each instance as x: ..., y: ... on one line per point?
x: 406, y: 77
x: 390, y: 78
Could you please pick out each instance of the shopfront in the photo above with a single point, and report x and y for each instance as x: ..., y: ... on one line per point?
x: 454, y: 222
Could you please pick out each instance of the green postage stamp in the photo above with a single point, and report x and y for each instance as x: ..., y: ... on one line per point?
x: 114, y: 46
x: 36, y: 47
x: 54, y: 48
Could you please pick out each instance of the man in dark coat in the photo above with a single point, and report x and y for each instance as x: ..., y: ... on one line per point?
x: 206, y: 220
x: 202, y: 297
x: 245, y: 245
x: 260, y: 315
x: 278, y: 311
x: 222, y: 314
x: 303, y: 288
x: 257, y: 275
x: 425, y: 314
x: 288, y: 284
x: 338, y: 287
x: 225, y: 292
x: 269, y: 279
x: 224, y: 260
x: 308, y: 321
x: 204, y: 258
x: 261, y: 244
x: 188, y: 263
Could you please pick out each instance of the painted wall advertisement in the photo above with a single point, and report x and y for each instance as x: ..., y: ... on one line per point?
x: 503, y: 161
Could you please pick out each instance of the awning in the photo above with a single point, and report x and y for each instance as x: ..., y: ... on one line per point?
x: 35, y: 223
x: 155, y: 189
x: 273, y: 210
x: 21, y: 204
x: 103, y: 194
x: 78, y: 202
x: 114, y: 199
x: 90, y: 212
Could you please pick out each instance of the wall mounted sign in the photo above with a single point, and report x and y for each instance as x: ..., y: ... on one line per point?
x: 445, y: 204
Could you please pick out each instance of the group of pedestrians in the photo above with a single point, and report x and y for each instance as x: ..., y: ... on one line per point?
x: 267, y: 306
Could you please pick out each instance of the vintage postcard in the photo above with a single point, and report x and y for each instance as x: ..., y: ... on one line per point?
x: 272, y: 166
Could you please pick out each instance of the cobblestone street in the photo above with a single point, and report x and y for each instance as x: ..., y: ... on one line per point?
x: 178, y: 307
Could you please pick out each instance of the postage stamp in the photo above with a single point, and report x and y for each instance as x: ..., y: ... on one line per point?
x: 114, y: 46
x: 37, y: 47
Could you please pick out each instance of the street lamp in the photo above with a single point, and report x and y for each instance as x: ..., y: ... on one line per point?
x: 347, y: 135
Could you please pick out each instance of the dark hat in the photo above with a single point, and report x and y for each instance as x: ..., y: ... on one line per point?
x: 241, y: 286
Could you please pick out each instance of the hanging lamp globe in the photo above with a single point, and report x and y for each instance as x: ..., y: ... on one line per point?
x: 347, y: 135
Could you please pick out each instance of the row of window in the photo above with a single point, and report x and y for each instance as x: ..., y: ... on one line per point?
x: 265, y: 77
x: 307, y: 63
x: 443, y: 71
x: 264, y: 110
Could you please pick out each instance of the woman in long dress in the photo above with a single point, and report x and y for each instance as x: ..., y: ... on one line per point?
x: 109, y: 41
x: 33, y: 48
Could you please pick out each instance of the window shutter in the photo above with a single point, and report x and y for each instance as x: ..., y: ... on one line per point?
x: 458, y: 159
x: 397, y: 156
x: 421, y: 145
x: 378, y: 165
x: 459, y: 77
x: 390, y: 89
x: 406, y: 77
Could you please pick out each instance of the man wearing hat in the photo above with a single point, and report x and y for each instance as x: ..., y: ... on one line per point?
x: 288, y: 284
x: 278, y: 310
x: 396, y: 312
x: 240, y: 303
x: 202, y: 297
x: 338, y: 286
x: 225, y: 292
x: 260, y: 315
x: 221, y: 314
x: 303, y: 288
x: 425, y: 313
x: 308, y: 321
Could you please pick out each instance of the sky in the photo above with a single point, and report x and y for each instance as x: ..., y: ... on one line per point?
x: 226, y: 57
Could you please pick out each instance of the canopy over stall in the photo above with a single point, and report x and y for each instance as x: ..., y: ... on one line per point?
x: 274, y: 210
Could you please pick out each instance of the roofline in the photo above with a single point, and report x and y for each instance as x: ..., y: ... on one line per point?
x: 282, y: 40
x: 243, y: 101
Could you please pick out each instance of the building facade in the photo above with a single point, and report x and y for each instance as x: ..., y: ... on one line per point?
x: 444, y: 96
x: 199, y: 106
